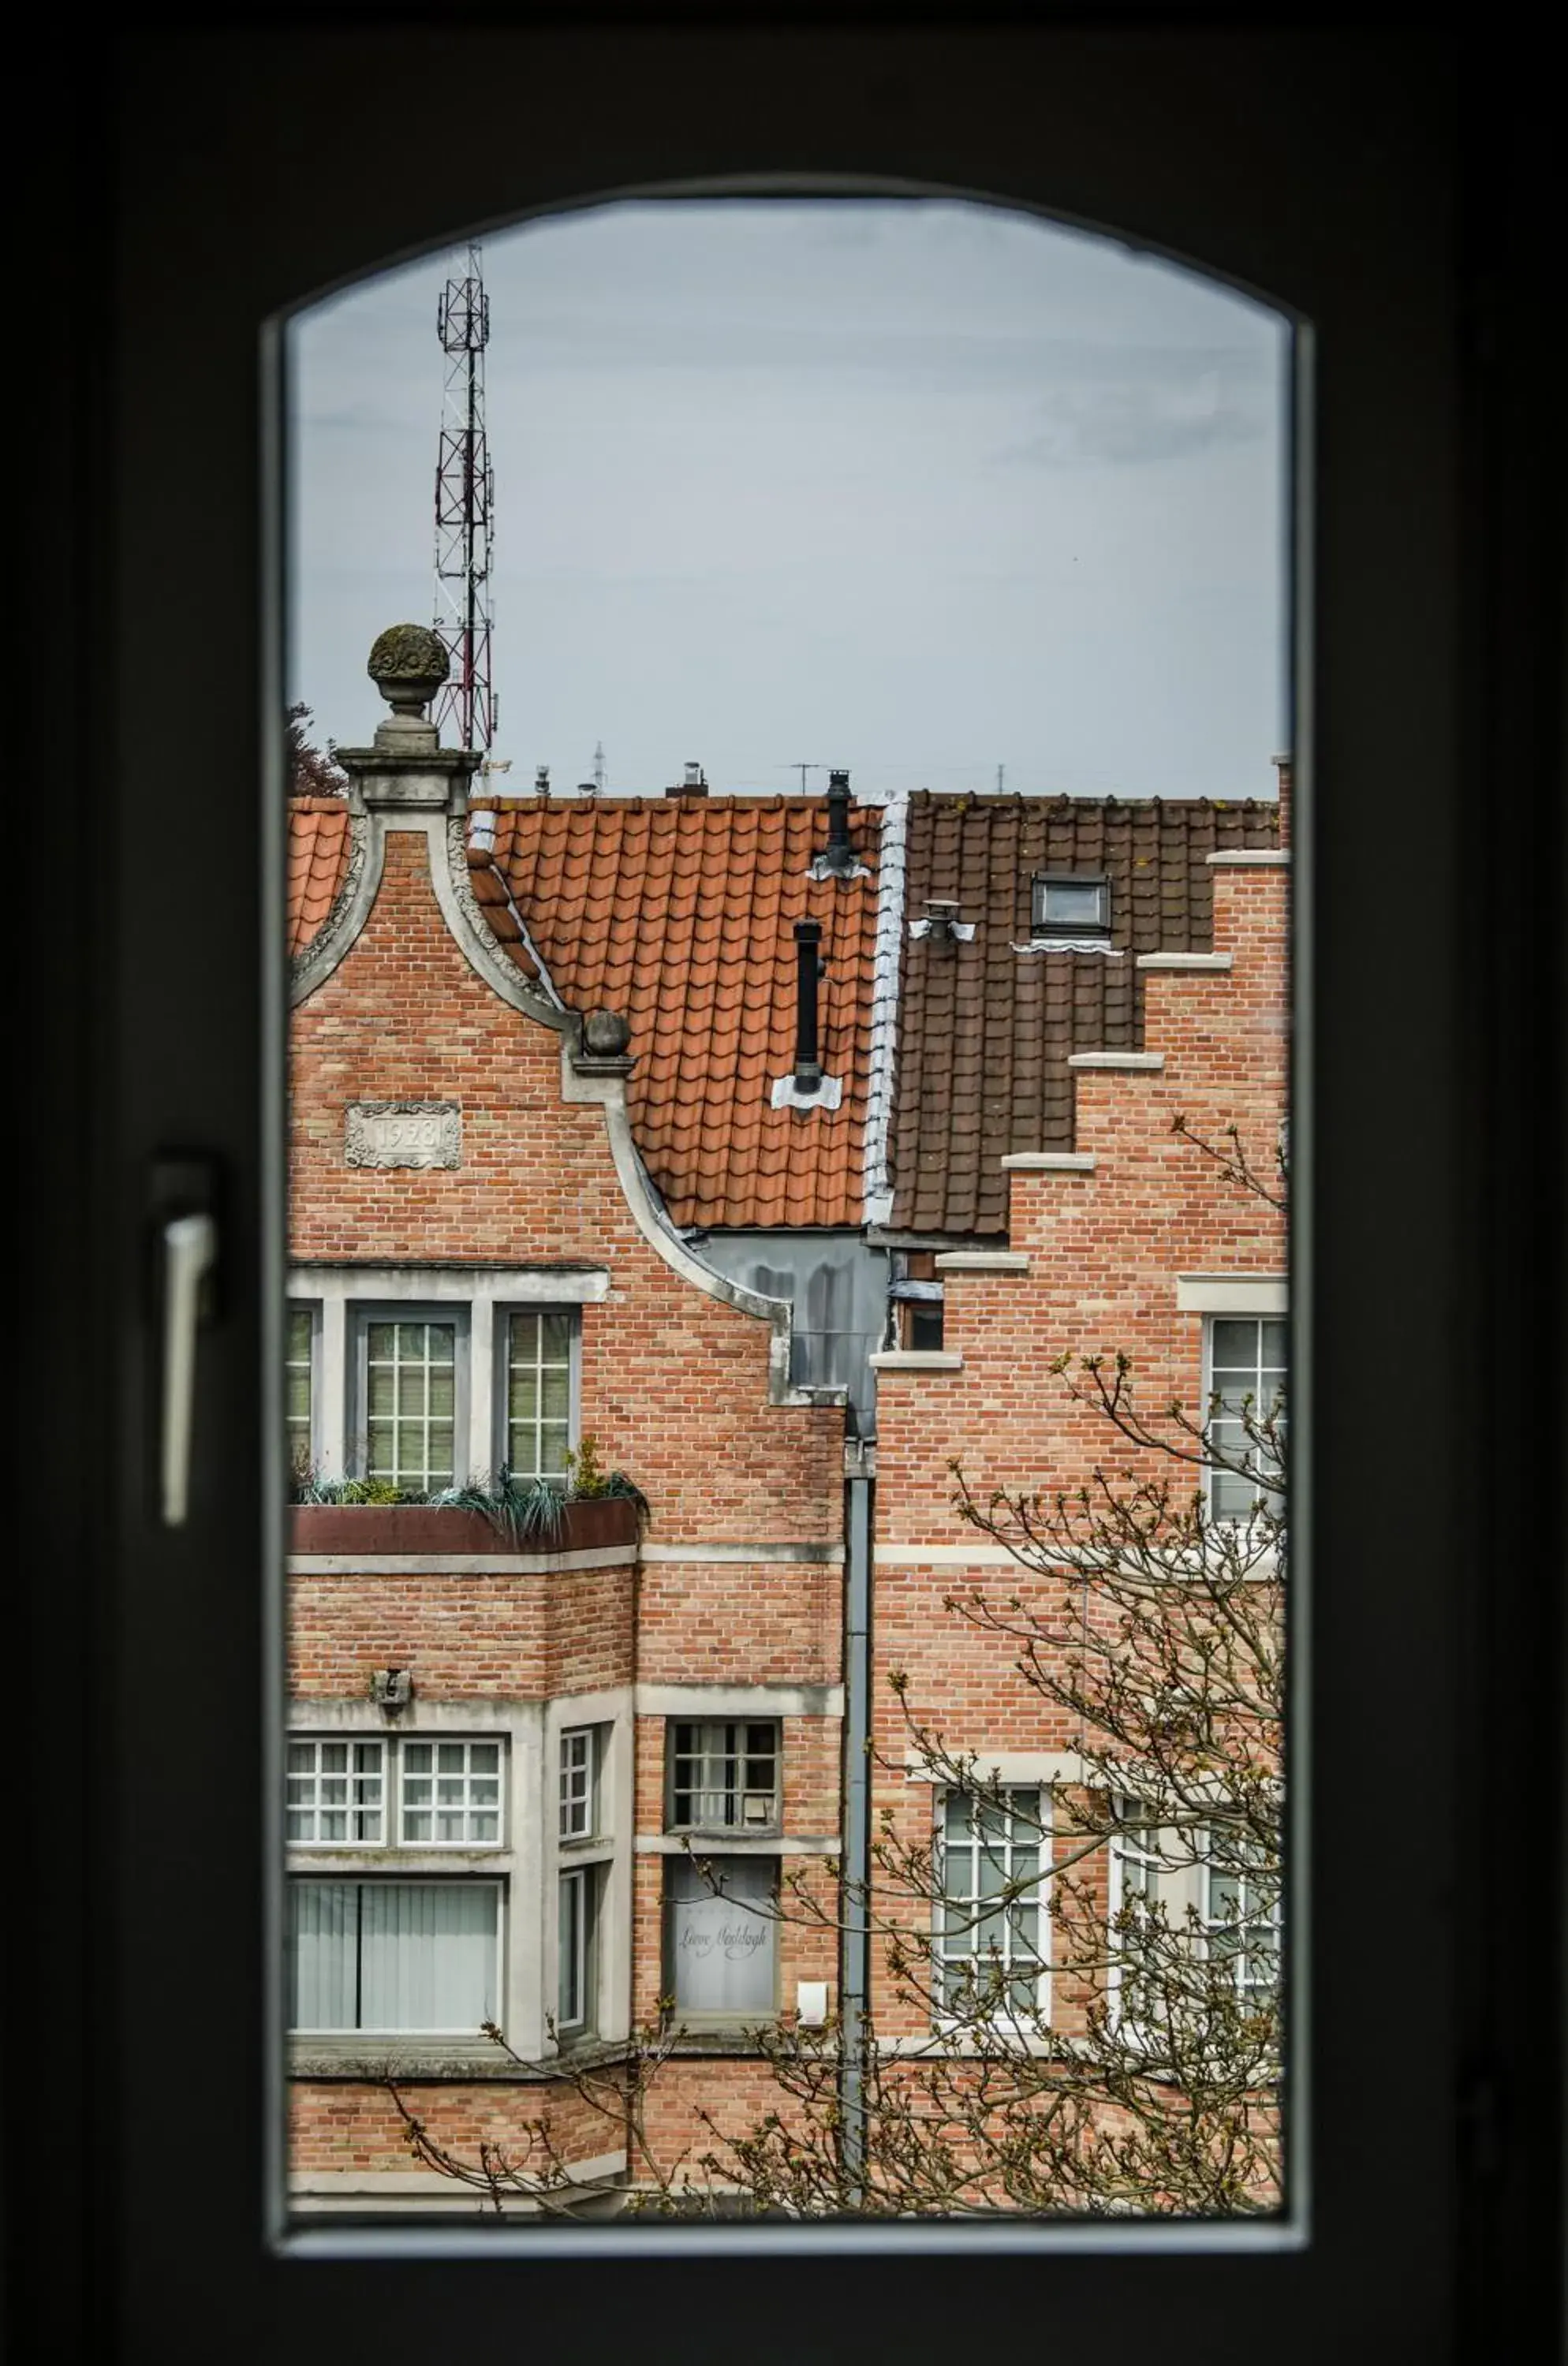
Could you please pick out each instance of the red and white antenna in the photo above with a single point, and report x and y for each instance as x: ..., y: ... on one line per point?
x: 465, y: 515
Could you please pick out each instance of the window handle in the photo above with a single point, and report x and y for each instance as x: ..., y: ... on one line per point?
x: 188, y: 1243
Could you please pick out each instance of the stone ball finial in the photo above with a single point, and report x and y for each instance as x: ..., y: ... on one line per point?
x: 606, y: 1034
x: 407, y: 664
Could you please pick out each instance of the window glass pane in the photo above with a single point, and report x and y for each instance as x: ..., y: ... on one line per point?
x: 993, y: 966
x: 428, y: 1954
x: 322, y: 1957
x: 722, y: 1947
x: 540, y: 1394
x: 410, y: 1397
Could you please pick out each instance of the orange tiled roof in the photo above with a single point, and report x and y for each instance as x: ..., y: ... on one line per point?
x: 679, y: 912
x: 318, y: 855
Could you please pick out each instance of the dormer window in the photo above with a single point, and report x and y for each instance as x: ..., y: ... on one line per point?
x: 1071, y: 904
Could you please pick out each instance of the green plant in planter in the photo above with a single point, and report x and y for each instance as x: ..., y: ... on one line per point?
x: 588, y: 1481
x: 525, y: 1511
x: 585, y: 1480
x: 307, y: 1488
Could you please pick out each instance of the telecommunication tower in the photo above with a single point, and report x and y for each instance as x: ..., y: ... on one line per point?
x: 464, y: 513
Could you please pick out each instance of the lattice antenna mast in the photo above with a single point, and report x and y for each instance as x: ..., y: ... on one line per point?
x: 465, y: 515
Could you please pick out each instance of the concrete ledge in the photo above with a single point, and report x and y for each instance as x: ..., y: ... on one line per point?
x: 984, y: 1261
x: 916, y: 1360
x: 496, y: 1564
x: 1252, y: 857
x: 819, y: 1555
x: 1232, y: 1293
x: 739, y: 1700
x: 1049, y: 1162
x: 362, y: 2189
x: 1186, y: 961
x: 1137, y: 1060
x: 738, y: 1843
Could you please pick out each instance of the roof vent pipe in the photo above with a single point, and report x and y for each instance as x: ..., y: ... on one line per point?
x: 695, y: 784
x: 841, y: 854
x: 808, y: 968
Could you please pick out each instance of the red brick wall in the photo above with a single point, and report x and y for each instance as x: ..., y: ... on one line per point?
x: 1106, y: 1247
x: 483, y: 1633
x: 675, y: 1390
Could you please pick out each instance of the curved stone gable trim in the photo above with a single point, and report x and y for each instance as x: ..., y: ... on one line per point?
x: 652, y: 1222
x: 315, y: 963
x: 469, y: 927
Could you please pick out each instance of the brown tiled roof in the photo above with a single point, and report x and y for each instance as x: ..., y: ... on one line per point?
x: 984, y: 1032
x: 318, y: 855
x: 680, y: 913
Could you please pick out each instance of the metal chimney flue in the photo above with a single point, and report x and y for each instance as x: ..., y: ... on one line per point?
x: 841, y: 854
x: 807, y: 970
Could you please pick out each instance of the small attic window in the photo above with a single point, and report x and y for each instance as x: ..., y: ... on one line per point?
x: 1072, y: 902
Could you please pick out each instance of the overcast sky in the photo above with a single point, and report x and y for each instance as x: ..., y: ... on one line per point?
x: 918, y: 489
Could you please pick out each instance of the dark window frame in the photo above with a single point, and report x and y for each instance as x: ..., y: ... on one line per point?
x: 1420, y: 255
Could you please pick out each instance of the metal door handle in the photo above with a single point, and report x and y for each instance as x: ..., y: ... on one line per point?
x: 191, y: 1252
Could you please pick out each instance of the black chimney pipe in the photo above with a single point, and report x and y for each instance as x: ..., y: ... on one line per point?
x: 841, y: 847
x: 808, y: 968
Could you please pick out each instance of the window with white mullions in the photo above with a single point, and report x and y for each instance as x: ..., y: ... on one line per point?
x: 1241, y: 1914
x: 538, y: 1395
x: 411, y: 1403
x: 334, y: 1792
x: 578, y: 1897
x: 393, y: 1956
x: 300, y: 1367
x: 1137, y: 1871
x: 724, y: 1775
x: 450, y: 1794
x: 578, y: 1784
x: 990, y: 1927
x: 1246, y: 1391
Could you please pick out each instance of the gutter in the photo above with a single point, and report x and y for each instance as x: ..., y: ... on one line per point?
x: 855, y: 1965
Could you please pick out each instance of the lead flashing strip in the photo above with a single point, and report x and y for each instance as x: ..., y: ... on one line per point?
x: 1048, y: 1162
x: 886, y: 959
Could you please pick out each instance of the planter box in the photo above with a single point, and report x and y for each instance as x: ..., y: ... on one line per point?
x: 346, y: 1529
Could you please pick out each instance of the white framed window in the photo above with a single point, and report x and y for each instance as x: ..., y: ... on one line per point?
x: 1245, y: 1355
x: 1137, y: 1883
x: 412, y: 1396
x: 581, y: 1753
x: 405, y: 1790
x: 300, y: 1369
x: 721, y: 1937
x: 393, y: 1956
x: 450, y: 1794
x: 991, y: 1933
x: 334, y: 1792
x: 724, y: 1775
x: 541, y: 1392
x: 577, y: 1938
x: 1241, y: 1914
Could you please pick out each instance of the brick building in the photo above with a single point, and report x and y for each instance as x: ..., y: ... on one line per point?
x: 768, y: 1143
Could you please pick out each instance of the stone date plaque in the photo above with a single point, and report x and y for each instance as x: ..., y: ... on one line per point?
x: 404, y: 1134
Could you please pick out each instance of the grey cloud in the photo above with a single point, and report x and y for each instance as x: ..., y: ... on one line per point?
x: 1125, y: 421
